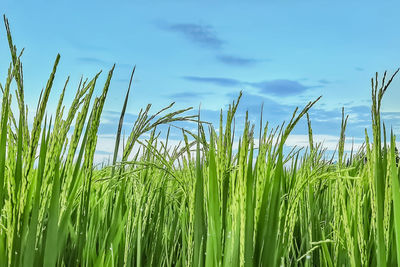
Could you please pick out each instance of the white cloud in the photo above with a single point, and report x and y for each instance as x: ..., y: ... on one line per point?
x: 329, y: 142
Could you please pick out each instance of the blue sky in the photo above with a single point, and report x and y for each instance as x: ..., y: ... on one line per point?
x: 282, y: 54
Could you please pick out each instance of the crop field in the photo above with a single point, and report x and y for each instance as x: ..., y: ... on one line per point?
x: 205, y: 203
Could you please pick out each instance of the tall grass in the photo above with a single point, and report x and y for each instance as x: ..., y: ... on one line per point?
x: 204, y: 203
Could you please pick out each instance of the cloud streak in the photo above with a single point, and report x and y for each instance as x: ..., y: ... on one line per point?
x: 278, y: 87
x: 226, y: 82
x: 203, y: 35
x: 206, y: 37
x: 188, y: 95
x: 324, y: 81
x: 281, y: 87
x: 252, y: 103
x: 92, y: 60
x: 232, y: 60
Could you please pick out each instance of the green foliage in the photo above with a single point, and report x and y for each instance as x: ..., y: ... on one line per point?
x: 204, y: 203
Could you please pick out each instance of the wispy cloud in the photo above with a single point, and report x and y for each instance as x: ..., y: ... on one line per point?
x: 92, y: 60
x: 324, y: 81
x: 330, y: 142
x: 226, y: 82
x: 281, y: 87
x: 328, y: 121
x: 363, y: 110
x: 110, y: 120
x: 236, y: 61
x: 203, y: 35
x: 206, y: 37
x: 277, y: 111
x: 188, y: 95
x: 390, y: 115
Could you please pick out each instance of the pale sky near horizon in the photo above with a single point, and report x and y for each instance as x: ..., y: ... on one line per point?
x: 282, y: 54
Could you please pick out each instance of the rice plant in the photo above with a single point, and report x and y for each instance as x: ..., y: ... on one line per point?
x: 203, y: 203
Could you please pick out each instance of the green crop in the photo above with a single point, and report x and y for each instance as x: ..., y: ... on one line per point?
x: 203, y: 203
